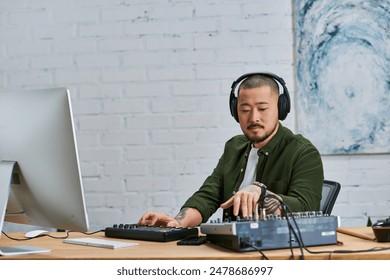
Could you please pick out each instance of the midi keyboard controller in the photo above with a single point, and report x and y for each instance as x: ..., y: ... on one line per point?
x: 273, y: 232
x: 149, y: 233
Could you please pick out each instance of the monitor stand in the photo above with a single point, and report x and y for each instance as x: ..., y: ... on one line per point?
x: 6, y: 170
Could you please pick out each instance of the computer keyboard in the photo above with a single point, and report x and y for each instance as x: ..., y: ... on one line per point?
x: 149, y: 233
x: 99, y: 242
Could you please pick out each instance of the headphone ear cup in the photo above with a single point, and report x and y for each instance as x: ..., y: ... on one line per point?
x: 233, y: 108
x: 233, y: 104
x: 283, y: 107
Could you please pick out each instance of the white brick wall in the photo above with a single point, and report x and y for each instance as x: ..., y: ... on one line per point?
x: 150, y: 82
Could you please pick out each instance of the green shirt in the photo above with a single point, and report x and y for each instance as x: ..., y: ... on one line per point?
x: 289, y: 165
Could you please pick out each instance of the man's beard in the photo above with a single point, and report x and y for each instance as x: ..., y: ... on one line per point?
x: 261, y: 138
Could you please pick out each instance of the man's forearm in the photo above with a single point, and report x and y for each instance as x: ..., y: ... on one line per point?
x: 189, y: 217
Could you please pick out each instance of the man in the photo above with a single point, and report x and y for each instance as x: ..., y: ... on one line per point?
x: 267, y: 166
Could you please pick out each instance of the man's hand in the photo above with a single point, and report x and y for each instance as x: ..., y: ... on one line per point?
x: 158, y: 219
x: 272, y: 204
x: 187, y: 217
x: 245, y: 200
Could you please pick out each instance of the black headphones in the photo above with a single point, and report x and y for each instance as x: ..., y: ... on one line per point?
x: 284, y: 103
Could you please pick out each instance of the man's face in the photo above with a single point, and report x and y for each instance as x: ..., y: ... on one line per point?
x: 258, y: 114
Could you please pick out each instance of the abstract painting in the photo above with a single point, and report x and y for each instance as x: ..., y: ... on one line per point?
x: 343, y: 74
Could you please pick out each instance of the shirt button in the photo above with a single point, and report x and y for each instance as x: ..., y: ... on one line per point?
x: 234, y: 192
x: 242, y: 170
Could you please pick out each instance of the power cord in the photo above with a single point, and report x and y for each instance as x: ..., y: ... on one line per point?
x: 49, y: 235
x: 287, y: 213
x: 257, y: 249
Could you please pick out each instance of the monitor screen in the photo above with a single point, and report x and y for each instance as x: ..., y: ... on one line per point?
x: 38, y: 145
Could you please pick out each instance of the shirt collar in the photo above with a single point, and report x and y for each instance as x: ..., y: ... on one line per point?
x: 273, y: 143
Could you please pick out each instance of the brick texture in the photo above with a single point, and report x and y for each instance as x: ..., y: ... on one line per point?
x: 150, y: 82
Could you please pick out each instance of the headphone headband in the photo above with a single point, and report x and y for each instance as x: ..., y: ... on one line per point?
x: 284, y: 104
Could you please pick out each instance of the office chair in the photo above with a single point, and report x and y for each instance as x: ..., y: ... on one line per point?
x: 330, y: 191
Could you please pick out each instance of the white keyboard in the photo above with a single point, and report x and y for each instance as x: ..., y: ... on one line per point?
x: 99, y: 242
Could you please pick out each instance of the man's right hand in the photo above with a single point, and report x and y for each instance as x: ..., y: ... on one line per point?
x: 187, y: 217
x: 158, y: 219
x: 245, y: 200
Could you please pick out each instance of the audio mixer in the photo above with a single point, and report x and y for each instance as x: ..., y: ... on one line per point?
x: 273, y: 232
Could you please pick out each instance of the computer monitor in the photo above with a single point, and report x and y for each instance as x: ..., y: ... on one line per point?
x: 40, y: 178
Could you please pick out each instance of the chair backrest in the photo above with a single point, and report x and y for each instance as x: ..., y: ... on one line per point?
x: 330, y: 191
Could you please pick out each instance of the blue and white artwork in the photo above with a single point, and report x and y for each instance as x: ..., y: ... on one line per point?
x: 343, y: 74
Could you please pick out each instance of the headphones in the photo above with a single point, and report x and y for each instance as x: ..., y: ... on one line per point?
x: 284, y: 103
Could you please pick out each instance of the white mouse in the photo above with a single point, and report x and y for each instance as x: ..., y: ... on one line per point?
x: 35, y: 233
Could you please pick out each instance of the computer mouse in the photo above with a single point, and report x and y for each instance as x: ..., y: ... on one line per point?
x: 381, y: 230
x: 36, y: 233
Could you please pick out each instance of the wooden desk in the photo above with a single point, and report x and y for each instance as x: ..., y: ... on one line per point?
x: 170, y: 251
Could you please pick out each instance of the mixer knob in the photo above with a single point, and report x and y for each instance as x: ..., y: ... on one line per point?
x: 297, y: 215
x: 269, y: 217
x: 276, y: 217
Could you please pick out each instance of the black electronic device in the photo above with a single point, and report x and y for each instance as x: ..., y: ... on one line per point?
x: 193, y: 240
x: 273, y: 232
x: 284, y: 103
x: 149, y: 233
x: 381, y: 230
